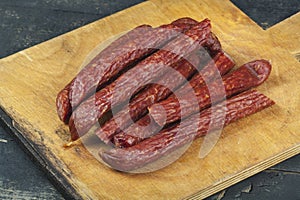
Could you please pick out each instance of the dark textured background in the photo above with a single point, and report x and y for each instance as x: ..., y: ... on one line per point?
x: 26, y: 23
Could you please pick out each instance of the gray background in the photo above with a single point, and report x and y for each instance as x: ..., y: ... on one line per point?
x: 26, y: 23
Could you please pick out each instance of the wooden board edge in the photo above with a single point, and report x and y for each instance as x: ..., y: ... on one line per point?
x: 65, y: 187
x: 59, y: 182
x: 229, y: 181
x: 36, y: 153
x: 291, y: 19
x: 62, y: 184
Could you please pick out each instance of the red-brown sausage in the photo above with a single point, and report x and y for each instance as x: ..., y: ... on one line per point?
x: 140, y: 130
x: 63, y: 104
x: 150, y: 95
x: 119, y: 55
x: 184, y: 21
x: 247, y: 76
x: 87, y: 114
x: 87, y: 81
x: 220, y: 65
x: 168, y: 140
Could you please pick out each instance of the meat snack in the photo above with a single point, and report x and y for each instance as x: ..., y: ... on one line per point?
x: 150, y: 95
x: 245, y: 77
x: 119, y: 55
x: 220, y: 64
x: 87, y: 114
x: 63, y: 104
x: 144, y: 128
x: 168, y: 140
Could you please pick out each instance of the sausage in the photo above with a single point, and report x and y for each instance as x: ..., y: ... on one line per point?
x: 86, y: 115
x: 143, y: 128
x: 63, y: 104
x: 212, y: 41
x: 247, y: 76
x: 220, y: 65
x: 87, y: 81
x: 150, y: 95
x: 212, y: 45
x: 184, y: 21
x: 157, y: 92
x: 119, y: 55
x: 170, y: 139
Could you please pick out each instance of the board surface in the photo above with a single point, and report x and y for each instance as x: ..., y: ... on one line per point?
x: 31, y: 79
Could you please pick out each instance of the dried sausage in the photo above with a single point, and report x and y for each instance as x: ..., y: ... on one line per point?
x: 158, y: 92
x: 142, y: 129
x: 119, y: 55
x: 247, y: 76
x: 150, y: 95
x: 220, y: 65
x: 86, y: 115
x: 109, y: 65
x: 63, y: 104
x: 168, y: 140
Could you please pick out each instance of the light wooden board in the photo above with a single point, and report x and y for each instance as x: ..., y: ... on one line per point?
x: 31, y: 79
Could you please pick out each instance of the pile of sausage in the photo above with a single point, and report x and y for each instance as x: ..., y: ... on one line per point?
x: 166, y: 86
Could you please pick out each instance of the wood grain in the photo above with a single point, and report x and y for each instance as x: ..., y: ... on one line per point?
x: 31, y: 79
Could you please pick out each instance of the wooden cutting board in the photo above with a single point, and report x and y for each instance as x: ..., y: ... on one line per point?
x: 31, y: 79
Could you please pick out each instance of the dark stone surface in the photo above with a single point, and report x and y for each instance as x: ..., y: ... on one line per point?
x: 20, y: 178
x: 269, y: 184
x: 266, y: 13
x: 26, y: 23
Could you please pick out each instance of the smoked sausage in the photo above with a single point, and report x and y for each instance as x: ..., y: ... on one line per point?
x: 119, y: 55
x: 219, y: 65
x: 245, y: 77
x: 87, y: 114
x: 168, y: 140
